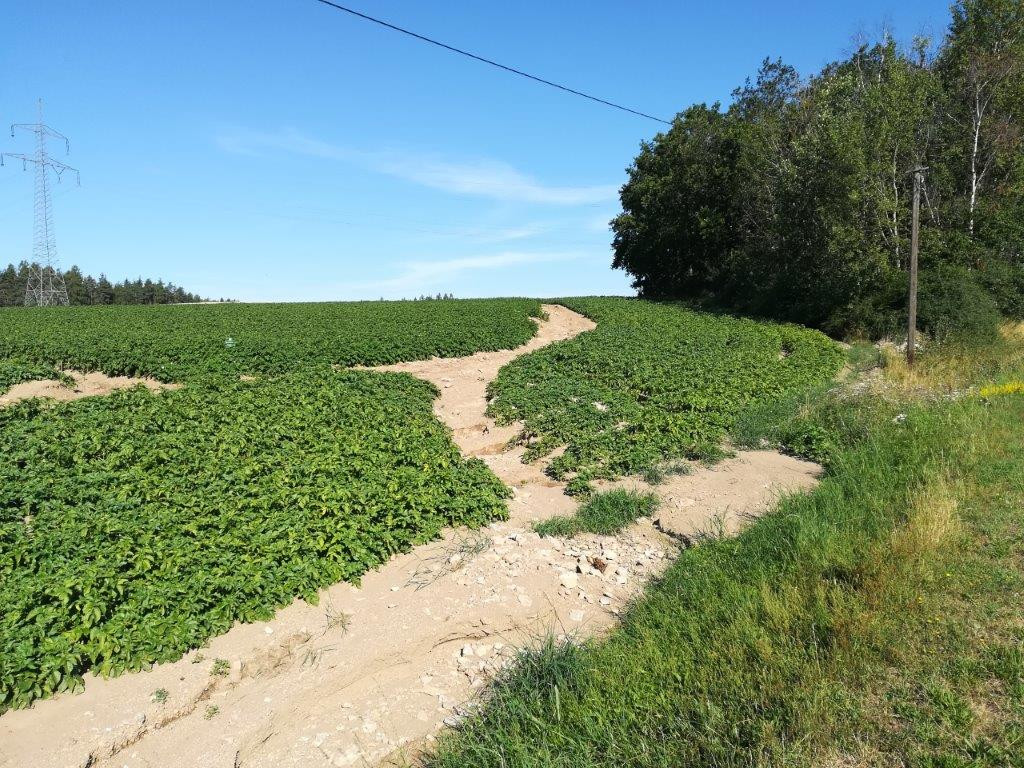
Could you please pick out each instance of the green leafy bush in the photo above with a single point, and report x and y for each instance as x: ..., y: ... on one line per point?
x: 136, y: 526
x: 653, y: 382
x: 952, y: 306
x: 1005, y: 283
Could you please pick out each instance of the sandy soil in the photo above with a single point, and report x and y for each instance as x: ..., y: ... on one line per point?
x: 374, y: 671
x: 86, y: 385
x: 722, y: 498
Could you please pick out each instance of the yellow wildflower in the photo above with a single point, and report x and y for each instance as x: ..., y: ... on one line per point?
x: 1010, y: 388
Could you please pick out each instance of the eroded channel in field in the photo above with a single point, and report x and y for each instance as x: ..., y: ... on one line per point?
x: 371, y: 672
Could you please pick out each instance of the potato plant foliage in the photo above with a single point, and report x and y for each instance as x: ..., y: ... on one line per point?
x: 136, y: 526
x: 16, y: 371
x: 176, y: 343
x: 653, y: 382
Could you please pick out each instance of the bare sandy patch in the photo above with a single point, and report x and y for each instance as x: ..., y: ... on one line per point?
x: 371, y: 672
x: 722, y: 498
x: 86, y: 385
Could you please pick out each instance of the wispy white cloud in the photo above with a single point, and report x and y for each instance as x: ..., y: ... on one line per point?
x: 511, y: 233
x: 259, y: 143
x: 416, y: 277
x: 489, y: 178
x: 482, y: 178
x: 485, y: 235
x: 600, y: 223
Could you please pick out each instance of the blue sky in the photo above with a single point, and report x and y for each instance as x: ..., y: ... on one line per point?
x: 281, y: 150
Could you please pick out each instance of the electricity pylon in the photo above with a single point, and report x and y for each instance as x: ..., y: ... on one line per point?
x: 46, y: 281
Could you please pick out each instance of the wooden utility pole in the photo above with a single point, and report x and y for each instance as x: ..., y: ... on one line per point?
x: 914, y: 232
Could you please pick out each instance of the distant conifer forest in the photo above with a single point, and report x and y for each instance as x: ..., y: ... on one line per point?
x: 86, y: 289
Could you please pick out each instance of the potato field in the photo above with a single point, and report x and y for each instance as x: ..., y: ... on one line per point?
x: 653, y: 383
x: 136, y: 526
x: 176, y: 343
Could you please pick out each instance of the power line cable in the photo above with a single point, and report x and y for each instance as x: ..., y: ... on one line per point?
x: 513, y: 70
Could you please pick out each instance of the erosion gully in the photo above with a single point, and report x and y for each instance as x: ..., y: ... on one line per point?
x: 369, y: 674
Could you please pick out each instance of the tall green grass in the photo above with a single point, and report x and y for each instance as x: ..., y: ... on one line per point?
x: 603, y: 513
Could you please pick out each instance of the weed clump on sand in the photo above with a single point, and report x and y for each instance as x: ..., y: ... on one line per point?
x: 658, y: 473
x: 603, y: 513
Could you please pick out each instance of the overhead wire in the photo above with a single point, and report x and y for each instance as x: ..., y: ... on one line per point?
x: 491, y: 62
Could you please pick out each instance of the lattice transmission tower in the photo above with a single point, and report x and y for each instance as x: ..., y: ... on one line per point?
x: 46, y: 281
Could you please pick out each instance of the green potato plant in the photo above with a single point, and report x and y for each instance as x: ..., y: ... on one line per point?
x: 654, y: 382
x: 180, y: 343
x: 135, y: 527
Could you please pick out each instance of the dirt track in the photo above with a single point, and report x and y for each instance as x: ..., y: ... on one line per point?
x: 371, y: 672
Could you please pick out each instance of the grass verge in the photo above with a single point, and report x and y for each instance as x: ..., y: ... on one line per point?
x: 875, y: 621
